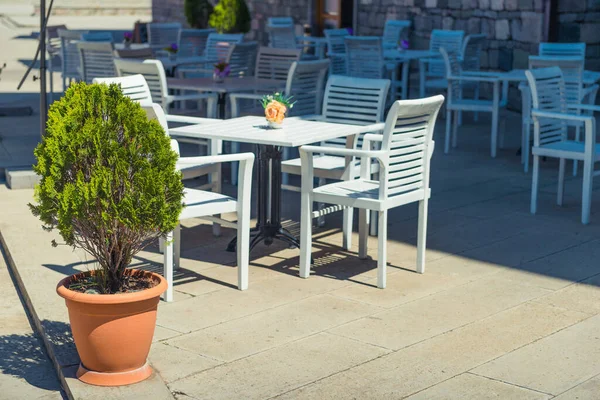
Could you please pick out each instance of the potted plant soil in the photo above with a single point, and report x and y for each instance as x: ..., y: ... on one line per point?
x: 109, y: 186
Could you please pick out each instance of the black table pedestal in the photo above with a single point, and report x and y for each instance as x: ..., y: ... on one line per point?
x: 268, y: 227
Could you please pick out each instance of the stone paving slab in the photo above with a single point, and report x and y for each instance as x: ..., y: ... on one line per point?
x: 469, y: 386
x: 588, y: 390
x: 553, y: 364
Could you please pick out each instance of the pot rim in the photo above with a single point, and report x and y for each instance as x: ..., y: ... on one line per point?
x: 119, y: 298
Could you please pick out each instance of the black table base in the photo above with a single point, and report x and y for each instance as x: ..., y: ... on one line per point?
x: 268, y: 227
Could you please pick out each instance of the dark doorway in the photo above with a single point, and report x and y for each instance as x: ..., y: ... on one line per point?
x: 332, y: 14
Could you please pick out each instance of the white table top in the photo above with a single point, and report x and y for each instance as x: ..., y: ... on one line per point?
x: 295, y: 131
x: 227, y: 86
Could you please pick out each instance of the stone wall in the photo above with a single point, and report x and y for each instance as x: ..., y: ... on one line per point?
x: 579, y: 21
x: 513, y: 27
x: 168, y: 11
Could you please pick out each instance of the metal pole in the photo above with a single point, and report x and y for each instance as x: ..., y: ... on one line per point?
x: 43, y: 104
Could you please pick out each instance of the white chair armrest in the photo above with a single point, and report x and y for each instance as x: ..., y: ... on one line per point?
x: 564, y: 116
x: 585, y: 107
x: 183, y: 119
x: 336, y: 151
x: 220, y: 158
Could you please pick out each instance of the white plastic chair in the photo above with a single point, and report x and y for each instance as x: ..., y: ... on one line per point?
x: 432, y: 71
x: 53, y: 48
x: 404, y: 168
x: 551, y: 116
x: 456, y: 103
x: 161, y: 34
x: 352, y: 101
x: 393, y: 31
x: 336, y: 50
x: 69, y: 56
x: 572, y: 69
x: 208, y: 205
x: 365, y: 59
x: 305, y: 81
x: 136, y: 87
x: 471, y: 51
x: 154, y: 73
x: 96, y: 60
x: 192, y: 42
x: 218, y: 45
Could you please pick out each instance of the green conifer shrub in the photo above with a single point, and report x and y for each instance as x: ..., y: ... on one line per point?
x: 108, y: 178
x: 197, y: 13
x: 231, y: 16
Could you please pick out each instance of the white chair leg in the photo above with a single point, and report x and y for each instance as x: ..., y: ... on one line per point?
x: 215, y: 179
x: 422, y: 235
x: 235, y: 148
x: 321, y: 206
x: 373, y: 223
x: 561, y: 182
x: 476, y: 114
x: 243, y: 248
x: 363, y: 236
x: 494, y: 141
x: 347, y: 228
x: 586, y: 201
x: 382, y: 250
x: 168, y: 267
x: 577, y: 138
x: 448, y: 129
x: 455, y: 124
x: 306, y: 206
x: 534, y: 183
x: 161, y: 245
x: 177, y: 246
x: 525, y: 148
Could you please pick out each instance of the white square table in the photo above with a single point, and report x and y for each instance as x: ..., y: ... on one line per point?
x: 295, y: 132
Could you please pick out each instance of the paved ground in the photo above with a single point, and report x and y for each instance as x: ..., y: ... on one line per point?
x: 508, y: 306
x: 26, y: 371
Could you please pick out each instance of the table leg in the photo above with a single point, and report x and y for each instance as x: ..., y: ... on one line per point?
x: 269, y: 180
x: 221, y: 104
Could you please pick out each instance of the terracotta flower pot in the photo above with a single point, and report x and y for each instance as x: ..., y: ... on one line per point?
x: 113, y: 333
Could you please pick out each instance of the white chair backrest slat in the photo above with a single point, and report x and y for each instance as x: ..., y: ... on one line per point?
x: 572, y: 70
x: 275, y: 63
x: 242, y: 59
x: 68, y: 52
x: 452, y: 68
x: 548, y: 94
x: 305, y: 83
x: 364, y: 57
x: 452, y: 41
x: 152, y: 71
x: 354, y: 101
x: 562, y: 49
x: 282, y: 37
x: 407, y: 138
x: 161, y: 35
x: 393, y: 32
x: 471, y: 52
x: 97, y: 37
x: 280, y: 21
x: 96, y: 60
x: 192, y: 42
x: 132, y: 86
x: 218, y: 45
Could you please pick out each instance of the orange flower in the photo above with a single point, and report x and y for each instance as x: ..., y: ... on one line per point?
x: 275, y: 111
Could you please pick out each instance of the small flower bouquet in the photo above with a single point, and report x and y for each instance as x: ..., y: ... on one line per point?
x: 172, y: 50
x: 221, y: 71
x: 127, y: 38
x: 404, y: 45
x: 276, y: 106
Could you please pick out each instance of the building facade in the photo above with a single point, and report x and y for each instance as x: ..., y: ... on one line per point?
x: 514, y: 27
